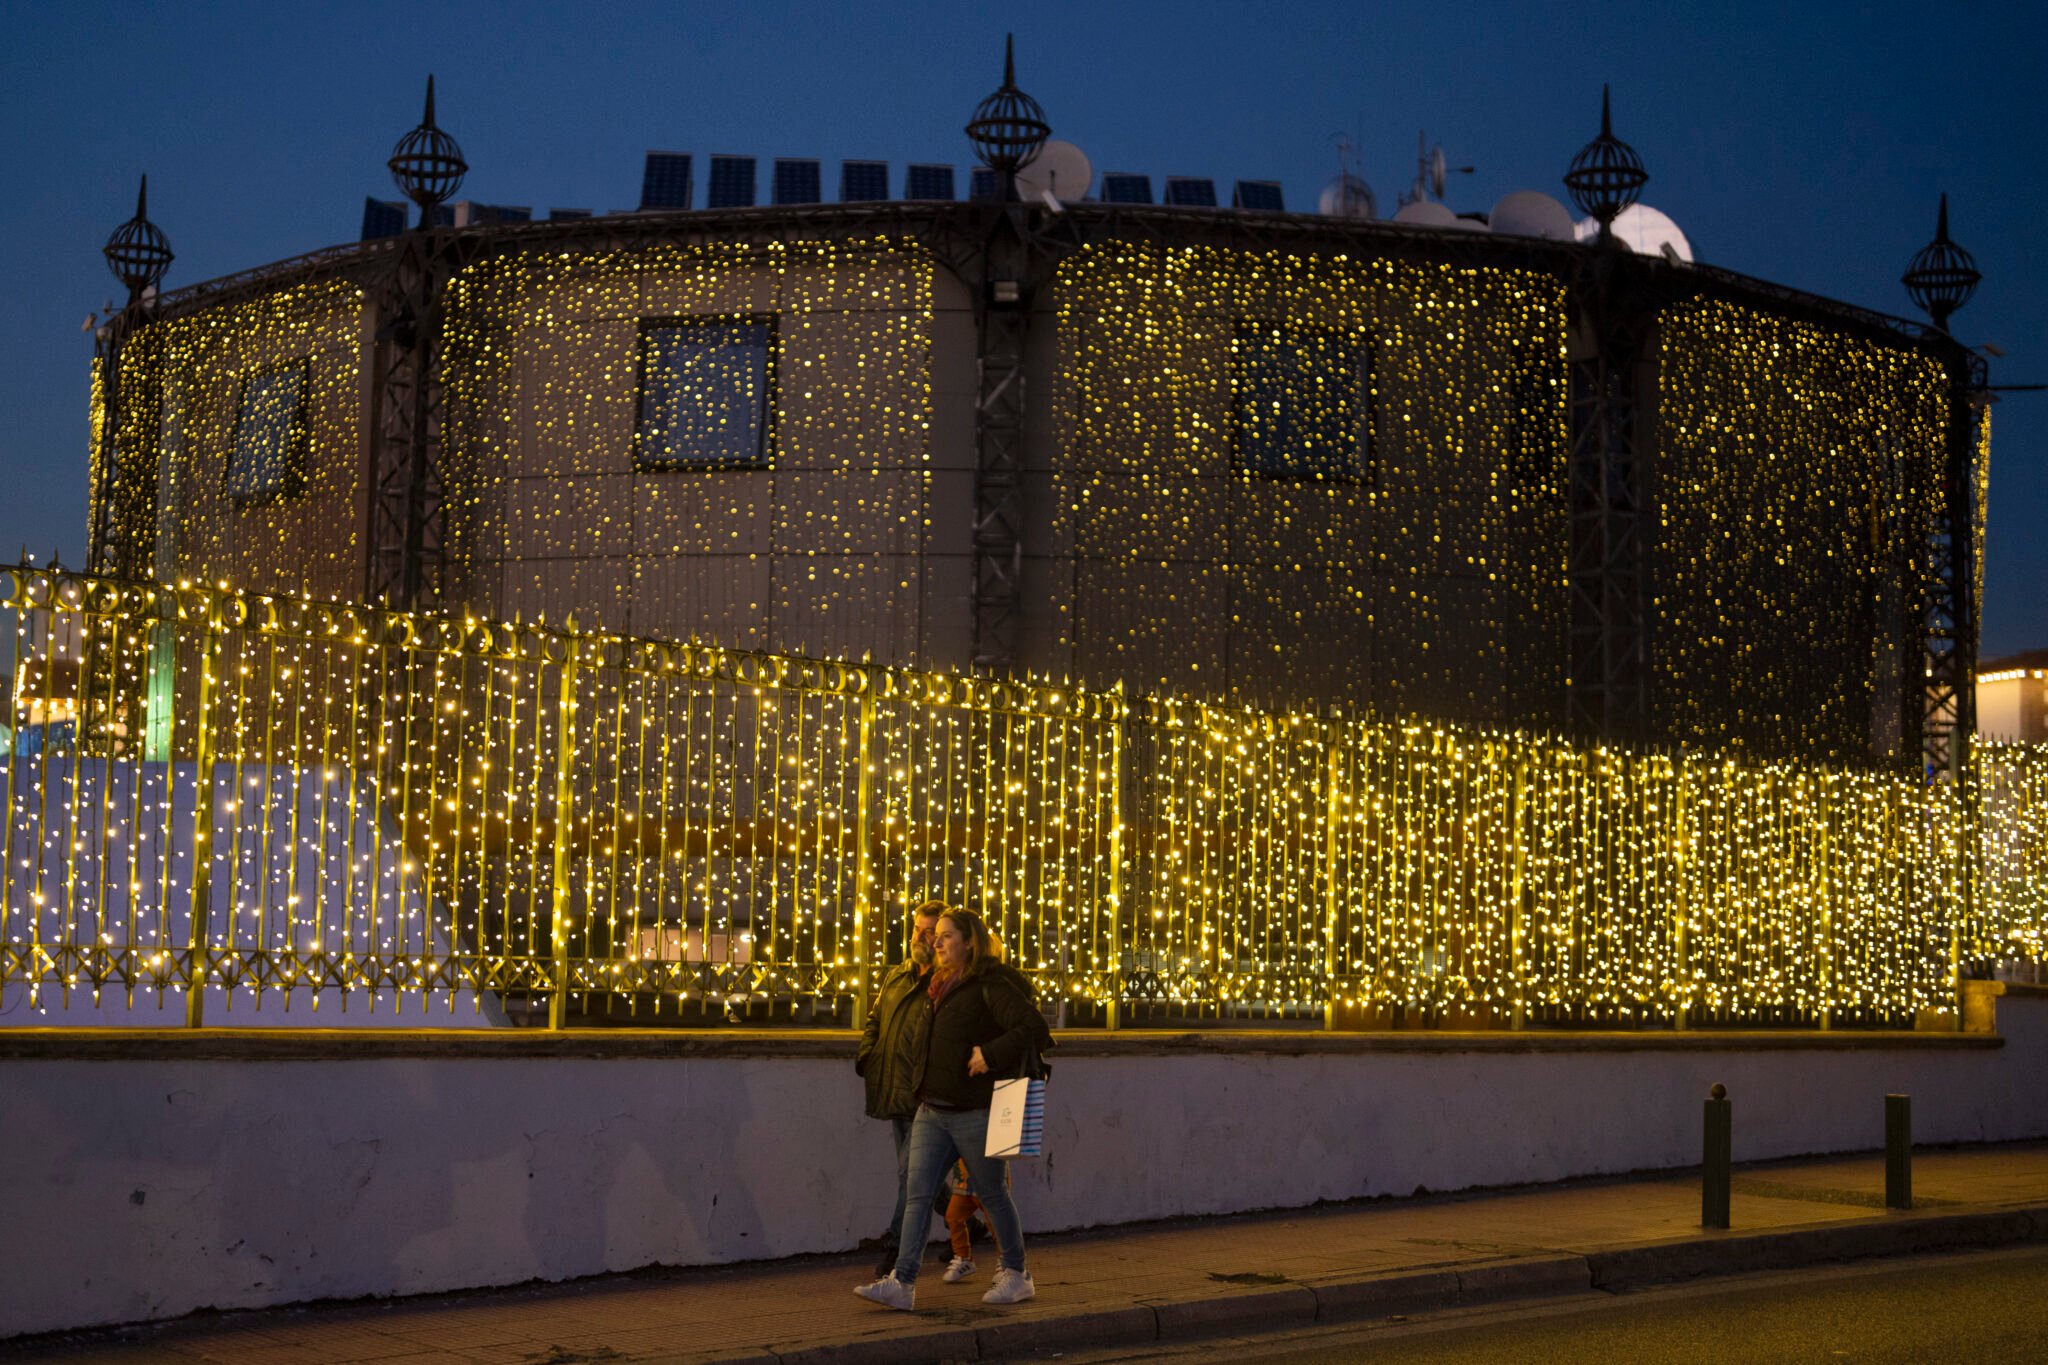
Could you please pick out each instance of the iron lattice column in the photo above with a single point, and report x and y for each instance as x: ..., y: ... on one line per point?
x: 1002, y: 328
x: 110, y: 540
x: 1949, y: 640
x: 1612, y: 373
x: 406, y: 559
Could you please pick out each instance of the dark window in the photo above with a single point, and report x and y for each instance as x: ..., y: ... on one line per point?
x: 268, y: 460
x: 1305, y: 402
x: 707, y: 392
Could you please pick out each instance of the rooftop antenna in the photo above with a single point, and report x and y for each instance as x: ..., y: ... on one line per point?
x: 1430, y: 173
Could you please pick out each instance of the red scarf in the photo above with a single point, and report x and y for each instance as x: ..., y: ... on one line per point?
x: 942, y: 981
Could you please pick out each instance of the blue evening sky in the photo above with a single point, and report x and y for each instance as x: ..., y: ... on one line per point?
x: 1806, y: 144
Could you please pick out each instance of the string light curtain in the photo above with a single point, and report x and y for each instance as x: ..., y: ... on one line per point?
x: 266, y: 796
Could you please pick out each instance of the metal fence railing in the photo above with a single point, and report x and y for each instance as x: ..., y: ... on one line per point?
x: 224, y: 801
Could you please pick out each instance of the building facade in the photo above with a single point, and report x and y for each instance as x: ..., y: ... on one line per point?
x: 1277, y: 458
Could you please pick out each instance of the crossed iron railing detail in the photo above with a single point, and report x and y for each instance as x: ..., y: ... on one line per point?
x: 225, y: 796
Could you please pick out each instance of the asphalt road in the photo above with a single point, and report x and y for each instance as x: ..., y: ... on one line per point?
x: 1990, y: 1306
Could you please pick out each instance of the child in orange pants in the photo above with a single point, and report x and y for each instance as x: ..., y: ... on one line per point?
x: 960, y: 1211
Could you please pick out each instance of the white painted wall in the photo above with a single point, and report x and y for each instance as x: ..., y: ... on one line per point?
x: 147, y: 1188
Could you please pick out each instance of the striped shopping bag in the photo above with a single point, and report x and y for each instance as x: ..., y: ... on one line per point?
x: 1016, y: 1119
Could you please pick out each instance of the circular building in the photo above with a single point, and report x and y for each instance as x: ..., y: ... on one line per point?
x: 1223, y: 452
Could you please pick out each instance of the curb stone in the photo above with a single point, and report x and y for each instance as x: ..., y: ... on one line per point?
x: 1111, y: 1327
x: 1215, y: 1313
x: 1382, y: 1295
x: 1899, y: 1234
x: 1619, y: 1270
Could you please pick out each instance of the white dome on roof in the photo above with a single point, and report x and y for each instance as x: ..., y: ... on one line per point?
x: 1346, y: 196
x: 1643, y: 230
x: 1532, y: 213
x: 1427, y: 213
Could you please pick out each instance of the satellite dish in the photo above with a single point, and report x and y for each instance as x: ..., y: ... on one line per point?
x: 1060, y: 169
x: 1429, y: 213
x: 1346, y: 196
x: 1643, y: 230
x: 1532, y: 213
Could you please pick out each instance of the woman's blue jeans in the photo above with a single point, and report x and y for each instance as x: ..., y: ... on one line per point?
x: 938, y: 1138
x: 899, y: 1133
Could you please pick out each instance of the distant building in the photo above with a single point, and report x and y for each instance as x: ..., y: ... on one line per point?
x: 2012, y: 696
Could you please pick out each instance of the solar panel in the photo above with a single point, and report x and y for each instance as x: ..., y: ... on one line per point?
x: 982, y: 184
x: 861, y: 182
x: 1190, y: 192
x: 1260, y: 196
x: 796, y: 181
x: 732, y: 182
x: 928, y: 182
x: 1122, y: 187
x: 565, y: 215
x: 383, y: 218
x: 665, y: 184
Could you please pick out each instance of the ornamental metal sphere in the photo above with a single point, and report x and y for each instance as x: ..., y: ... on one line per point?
x: 1941, y: 276
x: 427, y: 164
x: 138, y: 253
x: 1607, y: 175
x: 1008, y: 127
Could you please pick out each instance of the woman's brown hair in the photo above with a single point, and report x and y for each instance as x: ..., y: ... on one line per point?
x: 985, y: 946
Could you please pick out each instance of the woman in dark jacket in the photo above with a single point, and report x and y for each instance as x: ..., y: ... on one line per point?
x: 981, y: 1025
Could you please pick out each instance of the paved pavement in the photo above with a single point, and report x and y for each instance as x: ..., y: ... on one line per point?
x: 1157, y: 1282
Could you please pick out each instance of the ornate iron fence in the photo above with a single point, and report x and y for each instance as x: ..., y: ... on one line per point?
x: 223, y: 796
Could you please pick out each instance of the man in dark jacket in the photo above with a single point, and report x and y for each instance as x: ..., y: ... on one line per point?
x: 891, y: 1053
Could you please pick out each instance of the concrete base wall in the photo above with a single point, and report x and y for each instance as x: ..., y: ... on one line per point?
x: 146, y: 1178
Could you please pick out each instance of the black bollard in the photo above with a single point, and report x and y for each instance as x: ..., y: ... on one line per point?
x: 1715, y: 1174
x: 1898, y: 1151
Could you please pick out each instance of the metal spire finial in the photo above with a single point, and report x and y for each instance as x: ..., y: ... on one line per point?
x: 1607, y: 175
x: 427, y: 164
x: 1008, y: 127
x: 1941, y: 276
x: 138, y: 253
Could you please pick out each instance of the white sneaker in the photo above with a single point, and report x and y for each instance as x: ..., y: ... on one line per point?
x: 1011, y: 1286
x: 890, y: 1292
x: 960, y: 1269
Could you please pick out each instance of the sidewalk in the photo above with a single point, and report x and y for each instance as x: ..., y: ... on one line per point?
x: 1159, y: 1281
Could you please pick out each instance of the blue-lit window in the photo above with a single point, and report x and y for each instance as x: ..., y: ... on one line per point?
x: 1305, y: 401
x: 267, y: 462
x: 707, y: 392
